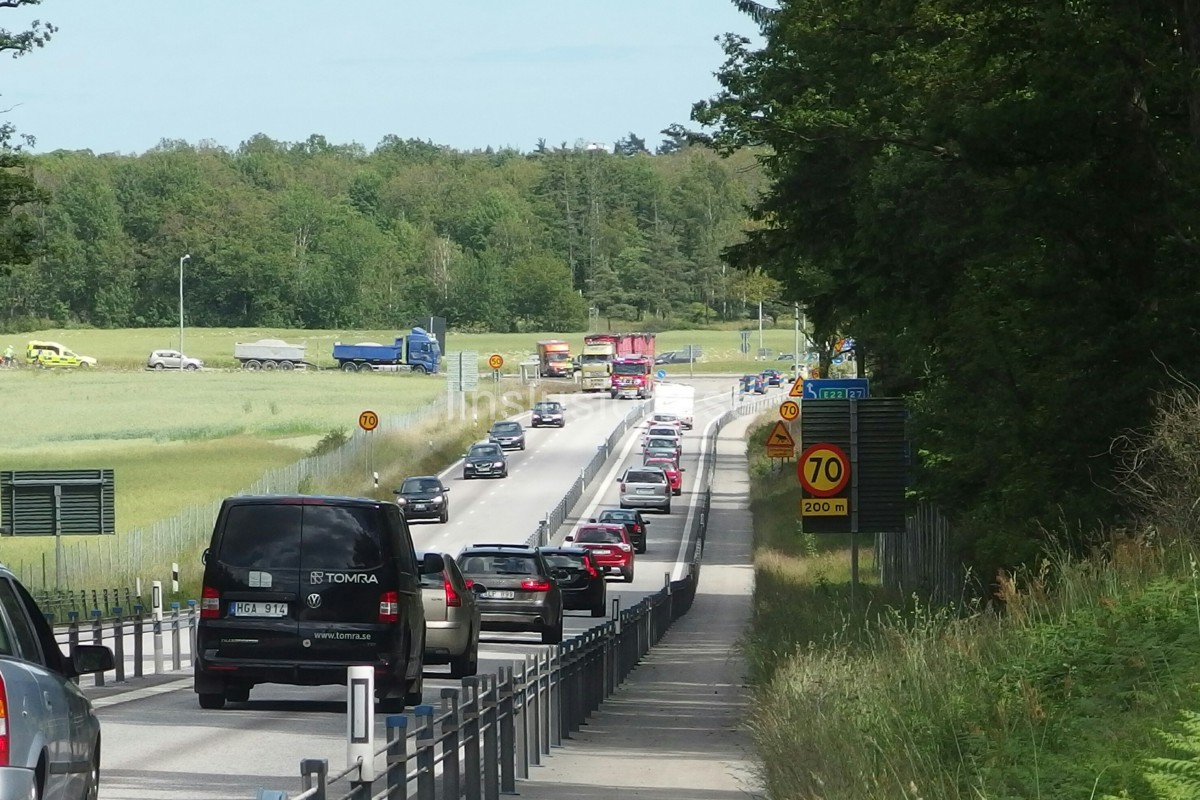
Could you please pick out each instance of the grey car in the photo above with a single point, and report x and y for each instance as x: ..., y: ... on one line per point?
x: 485, y: 460
x: 646, y: 487
x: 517, y: 590
x: 452, y: 619
x: 548, y: 412
x: 509, y: 435
x: 47, y: 725
x: 169, y: 359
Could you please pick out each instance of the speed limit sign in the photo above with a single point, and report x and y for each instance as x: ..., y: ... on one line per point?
x: 823, y: 470
x: 368, y: 420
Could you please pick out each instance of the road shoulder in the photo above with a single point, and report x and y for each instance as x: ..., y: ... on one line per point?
x: 675, y: 729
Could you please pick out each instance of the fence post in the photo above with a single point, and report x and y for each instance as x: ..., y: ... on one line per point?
x: 614, y: 678
x: 545, y: 676
x: 521, y: 721
x: 397, y: 756
x: 119, y: 644
x: 554, y: 706
x: 425, y: 754
x: 313, y: 774
x: 139, y: 646
x: 451, y: 720
x: 470, y: 738
x: 533, y: 715
x: 97, y: 638
x: 176, y: 665
x: 507, y: 731
x: 490, y: 722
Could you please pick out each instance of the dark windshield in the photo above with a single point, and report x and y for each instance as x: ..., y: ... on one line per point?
x: 645, y: 476
x: 420, y: 485
x: 485, y: 451
x: 262, y: 537
x: 565, y: 560
x: 621, y: 516
x: 266, y: 537
x: 666, y: 444
x: 489, y: 564
x: 547, y: 407
x: 507, y: 427
x: 598, y: 536
x: 629, y: 369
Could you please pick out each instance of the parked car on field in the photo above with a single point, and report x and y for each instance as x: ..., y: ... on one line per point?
x: 170, y: 359
x: 646, y: 487
x: 673, y: 471
x: 452, y: 619
x: 298, y: 588
x: 635, y: 524
x: 485, y: 460
x: 49, y: 733
x: 580, y: 579
x: 548, y: 412
x: 424, y: 497
x: 508, y: 434
x: 609, y: 545
x: 517, y: 591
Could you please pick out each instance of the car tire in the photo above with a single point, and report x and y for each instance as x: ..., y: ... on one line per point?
x: 445, y: 517
x: 91, y: 787
x: 553, y: 635
x: 504, y: 474
x: 466, y: 477
x: 213, y: 702
x: 522, y: 446
x: 667, y: 508
x: 641, y: 548
x: 600, y: 610
x: 677, y: 492
x: 191, y: 368
x: 468, y: 663
x: 237, y: 694
x: 159, y: 365
x: 627, y: 576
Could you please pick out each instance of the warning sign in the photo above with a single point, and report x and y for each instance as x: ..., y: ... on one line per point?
x: 780, y: 443
x: 797, y: 389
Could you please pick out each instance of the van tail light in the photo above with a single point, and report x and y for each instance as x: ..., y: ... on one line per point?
x: 389, y: 607
x: 622, y: 486
x: 210, y: 603
x: 536, y: 585
x: 3, y: 724
x: 452, y: 598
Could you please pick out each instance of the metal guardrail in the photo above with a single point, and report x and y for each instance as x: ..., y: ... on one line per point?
x: 484, y: 736
x: 141, y: 645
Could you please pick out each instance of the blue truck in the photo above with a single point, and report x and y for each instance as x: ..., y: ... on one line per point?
x: 416, y: 352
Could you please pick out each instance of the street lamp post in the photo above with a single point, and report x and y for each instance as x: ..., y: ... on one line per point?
x: 181, y: 260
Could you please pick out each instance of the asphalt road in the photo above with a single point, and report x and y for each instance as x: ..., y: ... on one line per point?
x: 159, y: 744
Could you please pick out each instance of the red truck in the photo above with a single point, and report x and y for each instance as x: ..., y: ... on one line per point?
x: 633, y: 366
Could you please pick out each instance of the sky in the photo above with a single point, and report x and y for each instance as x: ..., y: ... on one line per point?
x: 121, y: 76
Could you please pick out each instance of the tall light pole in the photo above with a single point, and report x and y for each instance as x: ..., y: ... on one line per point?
x: 181, y: 260
x: 760, y: 332
x: 796, y: 351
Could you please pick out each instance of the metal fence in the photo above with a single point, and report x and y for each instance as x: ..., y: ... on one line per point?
x: 484, y: 736
x: 920, y: 559
x: 150, y: 551
x: 142, y: 645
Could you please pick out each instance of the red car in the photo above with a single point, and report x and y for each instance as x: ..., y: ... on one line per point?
x: 673, y: 470
x: 609, y: 546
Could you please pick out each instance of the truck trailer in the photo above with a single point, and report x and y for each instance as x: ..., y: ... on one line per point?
x: 416, y: 352
x: 554, y: 358
x: 270, y: 354
x: 676, y: 399
x: 599, y: 350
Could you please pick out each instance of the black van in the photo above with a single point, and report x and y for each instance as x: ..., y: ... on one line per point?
x: 298, y: 588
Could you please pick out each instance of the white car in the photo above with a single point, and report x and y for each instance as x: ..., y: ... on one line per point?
x: 664, y: 419
x: 656, y: 431
x: 169, y: 359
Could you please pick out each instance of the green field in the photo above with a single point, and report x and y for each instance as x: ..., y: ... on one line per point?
x: 128, y: 349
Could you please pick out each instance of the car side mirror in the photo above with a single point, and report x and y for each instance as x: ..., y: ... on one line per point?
x: 87, y: 658
x: 445, y: 490
x: 204, y: 556
x: 569, y: 539
x: 432, y: 564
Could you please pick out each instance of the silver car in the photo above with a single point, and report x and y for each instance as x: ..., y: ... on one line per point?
x: 646, y: 487
x: 169, y: 359
x: 451, y: 619
x: 47, y: 726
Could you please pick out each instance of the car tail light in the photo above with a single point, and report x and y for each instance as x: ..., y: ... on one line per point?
x: 389, y: 607
x: 591, y: 571
x: 3, y: 724
x: 470, y: 583
x: 622, y: 486
x: 210, y: 603
x: 536, y: 585
x: 624, y: 547
x: 452, y: 598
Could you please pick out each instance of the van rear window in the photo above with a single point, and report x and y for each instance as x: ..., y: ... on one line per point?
x: 262, y: 537
x: 645, y: 477
x: 343, y: 538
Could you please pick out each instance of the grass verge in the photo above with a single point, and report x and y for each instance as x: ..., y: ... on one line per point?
x: 1058, y: 696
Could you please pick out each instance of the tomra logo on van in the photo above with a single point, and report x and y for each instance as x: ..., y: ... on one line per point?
x: 316, y: 577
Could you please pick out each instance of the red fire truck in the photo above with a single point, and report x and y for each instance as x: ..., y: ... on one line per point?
x: 633, y: 367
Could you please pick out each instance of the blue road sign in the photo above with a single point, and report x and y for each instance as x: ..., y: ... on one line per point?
x: 838, y: 359
x: 662, y: 373
x: 844, y: 389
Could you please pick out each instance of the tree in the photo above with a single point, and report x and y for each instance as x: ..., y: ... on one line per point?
x: 631, y: 145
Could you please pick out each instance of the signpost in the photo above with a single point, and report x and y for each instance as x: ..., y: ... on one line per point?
x: 462, y: 375
x: 823, y: 469
x: 780, y: 443
x: 843, y: 389
x: 369, y: 421
x: 662, y: 373
x: 789, y: 410
x: 496, y: 361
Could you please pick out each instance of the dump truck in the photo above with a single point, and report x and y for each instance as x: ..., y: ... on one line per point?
x: 599, y: 349
x: 270, y: 354
x: 416, y: 352
x: 554, y: 359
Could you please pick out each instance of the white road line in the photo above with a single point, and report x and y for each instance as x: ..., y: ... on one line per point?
x: 141, y: 694
x: 677, y: 573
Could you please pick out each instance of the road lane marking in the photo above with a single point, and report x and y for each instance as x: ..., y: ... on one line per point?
x: 697, y: 488
x: 141, y: 694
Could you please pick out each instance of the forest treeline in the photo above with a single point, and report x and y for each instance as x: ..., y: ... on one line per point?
x: 314, y: 234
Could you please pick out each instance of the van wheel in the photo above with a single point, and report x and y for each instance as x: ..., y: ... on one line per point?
x: 237, y: 694
x: 599, y: 611
x: 553, y: 635
x: 212, y: 701
x: 667, y: 508
x: 468, y: 663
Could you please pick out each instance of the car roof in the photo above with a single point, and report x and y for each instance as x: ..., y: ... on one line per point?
x: 501, y: 546
x: 610, y: 526
x: 566, y: 551
x: 305, y: 499
x: 422, y: 478
x: 618, y: 511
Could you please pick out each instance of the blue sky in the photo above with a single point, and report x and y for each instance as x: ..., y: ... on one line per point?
x: 120, y: 76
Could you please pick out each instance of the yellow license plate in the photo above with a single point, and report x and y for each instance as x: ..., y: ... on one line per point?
x: 824, y: 507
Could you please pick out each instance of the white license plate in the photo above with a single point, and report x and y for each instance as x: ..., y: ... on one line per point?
x: 499, y: 594
x: 645, y: 491
x: 419, y: 507
x: 258, y: 609
x: 600, y: 552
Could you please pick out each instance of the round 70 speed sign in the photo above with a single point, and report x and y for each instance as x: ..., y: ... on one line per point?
x: 823, y: 470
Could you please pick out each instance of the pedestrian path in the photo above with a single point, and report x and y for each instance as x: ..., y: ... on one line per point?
x: 675, y: 730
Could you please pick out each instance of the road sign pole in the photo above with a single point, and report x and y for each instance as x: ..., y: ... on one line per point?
x: 853, y: 503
